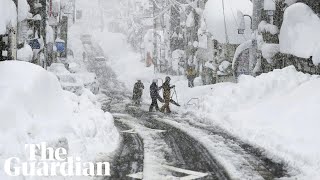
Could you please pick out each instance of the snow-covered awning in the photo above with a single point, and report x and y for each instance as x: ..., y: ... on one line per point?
x: 215, y: 19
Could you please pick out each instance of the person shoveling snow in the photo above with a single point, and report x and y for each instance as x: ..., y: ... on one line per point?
x: 167, y: 96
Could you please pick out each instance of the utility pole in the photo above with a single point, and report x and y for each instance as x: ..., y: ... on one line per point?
x: 12, y: 53
x: 43, y: 25
x: 155, y: 43
x: 255, y: 60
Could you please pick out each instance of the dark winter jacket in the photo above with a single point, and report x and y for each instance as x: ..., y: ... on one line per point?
x: 154, y: 91
x: 137, y: 90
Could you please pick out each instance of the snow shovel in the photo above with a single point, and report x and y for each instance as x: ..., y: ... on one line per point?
x: 172, y: 101
x: 160, y: 99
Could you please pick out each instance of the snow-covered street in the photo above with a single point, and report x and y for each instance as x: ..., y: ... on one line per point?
x: 168, y: 140
x: 159, y: 89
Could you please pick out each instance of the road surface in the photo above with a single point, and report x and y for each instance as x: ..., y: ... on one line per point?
x: 158, y: 146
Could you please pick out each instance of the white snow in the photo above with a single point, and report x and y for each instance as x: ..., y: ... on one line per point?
x: 224, y: 66
x: 239, y: 50
x: 37, y: 17
x: 238, y: 107
x: 155, y: 150
x: 218, y: 147
x: 269, y: 50
x: 23, y: 10
x: 35, y: 109
x: 215, y: 20
x: 270, y: 5
x: 299, y: 34
x: 50, y: 34
x: 190, y: 20
x: 276, y: 111
x: 25, y: 53
x: 266, y: 27
x: 8, y: 14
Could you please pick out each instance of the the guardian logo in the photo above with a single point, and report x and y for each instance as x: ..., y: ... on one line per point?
x: 46, y: 161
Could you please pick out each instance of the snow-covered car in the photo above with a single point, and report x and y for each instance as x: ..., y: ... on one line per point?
x: 58, y: 68
x: 98, y: 65
x: 100, y: 61
x: 86, y: 38
x: 69, y: 82
x: 74, y: 67
x: 90, y: 81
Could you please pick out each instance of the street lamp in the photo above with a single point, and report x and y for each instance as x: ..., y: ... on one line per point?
x: 241, y: 25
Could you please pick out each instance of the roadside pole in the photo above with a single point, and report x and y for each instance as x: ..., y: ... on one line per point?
x: 43, y: 24
x: 155, y: 46
x: 13, y: 40
x: 255, y: 60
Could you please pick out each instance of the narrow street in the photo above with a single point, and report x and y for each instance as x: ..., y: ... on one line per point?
x: 159, y: 89
x: 159, y: 146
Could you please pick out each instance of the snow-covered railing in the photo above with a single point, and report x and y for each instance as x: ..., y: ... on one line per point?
x: 194, y: 104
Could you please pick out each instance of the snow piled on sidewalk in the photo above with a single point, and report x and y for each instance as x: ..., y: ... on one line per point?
x: 276, y: 111
x: 35, y: 109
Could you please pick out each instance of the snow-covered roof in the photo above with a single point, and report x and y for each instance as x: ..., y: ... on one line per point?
x: 299, y: 34
x: 270, y: 5
x: 213, y: 14
x: 23, y: 10
x: 8, y: 14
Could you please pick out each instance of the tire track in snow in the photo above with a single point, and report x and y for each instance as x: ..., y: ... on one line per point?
x: 155, y: 149
x: 129, y: 157
x: 242, y: 160
x: 187, y: 153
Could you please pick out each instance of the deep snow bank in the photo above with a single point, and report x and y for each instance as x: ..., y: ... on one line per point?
x: 34, y: 109
x: 8, y: 14
x: 277, y: 111
x: 299, y: 34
